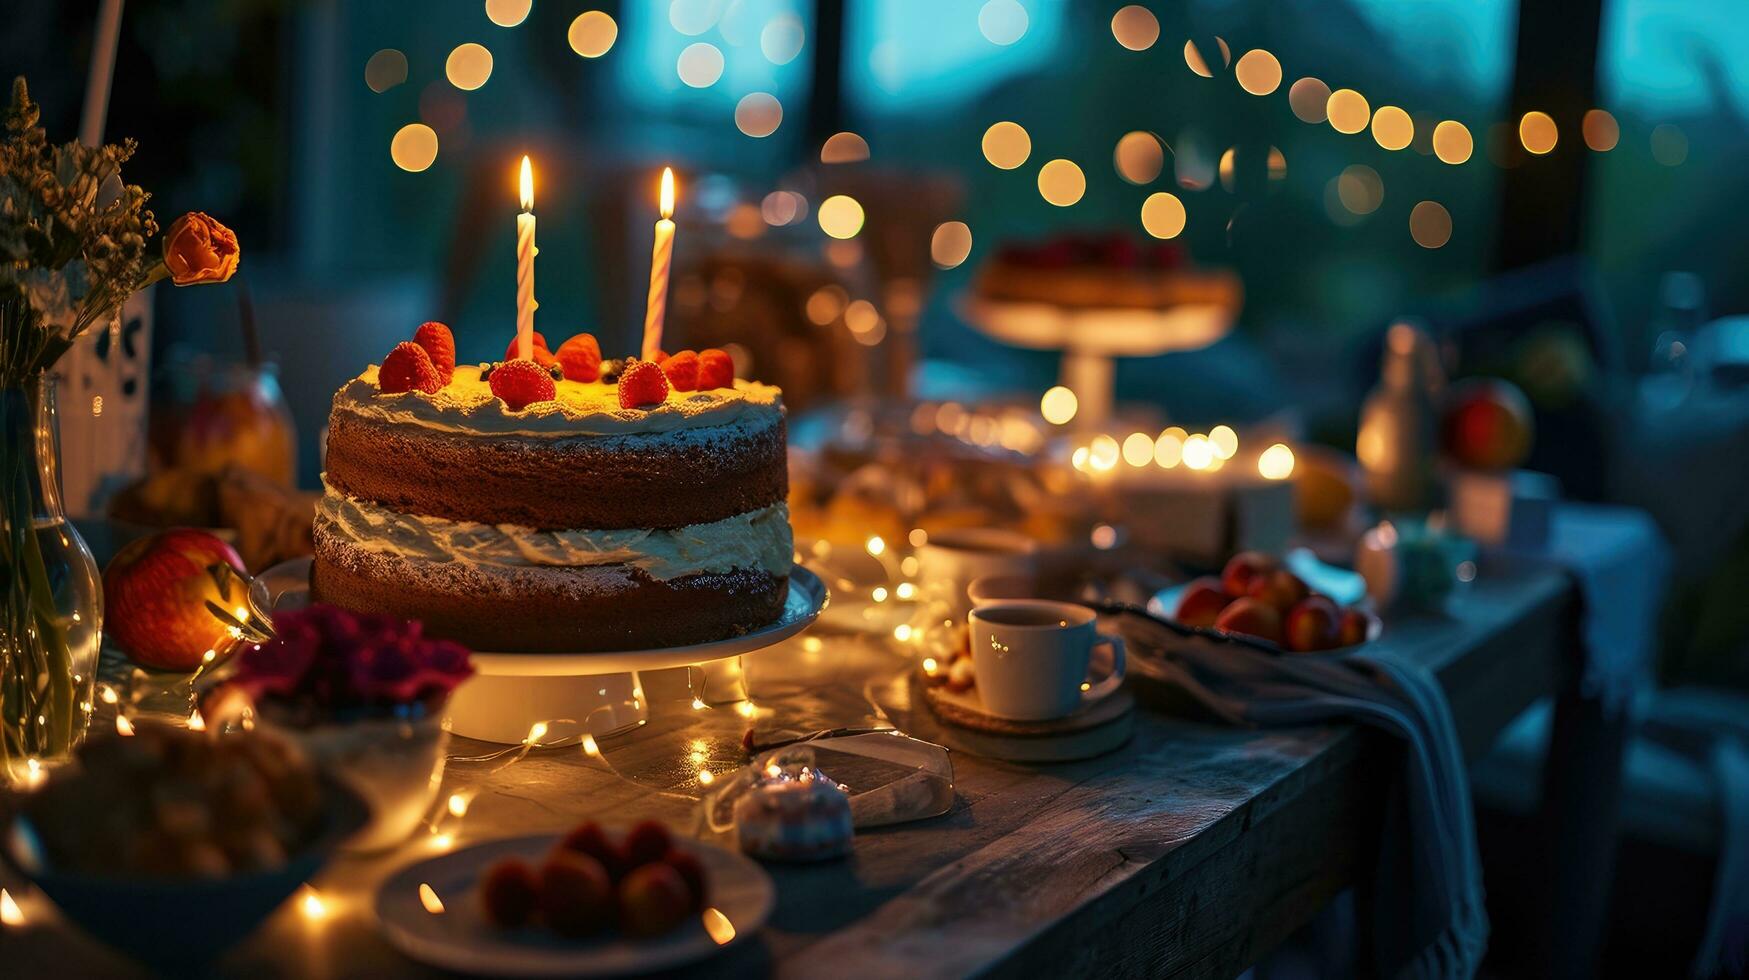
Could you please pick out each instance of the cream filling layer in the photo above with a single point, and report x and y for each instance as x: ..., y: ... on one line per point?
x: 467, y: 405
x: 756, y: 539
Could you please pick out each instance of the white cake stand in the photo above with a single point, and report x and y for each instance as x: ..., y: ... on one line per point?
x: 572, y: 693
x: 1090, y: 339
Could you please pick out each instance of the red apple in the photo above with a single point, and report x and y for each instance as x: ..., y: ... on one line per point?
x: 1242, y: 568
x: 1280, y: 588
x: 1202, y: 602
x: 576, y: 895
x: 155, y: 592
x: 1354, y: 627
x: 1251, y: 617
x: 1312, y: 624
x: 652, y: 900
x: 509, y: 893
x: 1488, y: 424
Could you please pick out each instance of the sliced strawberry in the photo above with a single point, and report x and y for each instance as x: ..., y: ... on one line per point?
x: 643, y: 383
x: 521, y: 384
x: 408, y: 368
x: 580, y: 357
x: 439, y: 345
x: 715, y: 370
x: 682, y: 371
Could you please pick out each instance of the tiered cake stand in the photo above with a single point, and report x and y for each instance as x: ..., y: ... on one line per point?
x: 572, y: 693
x: 1090, y: 339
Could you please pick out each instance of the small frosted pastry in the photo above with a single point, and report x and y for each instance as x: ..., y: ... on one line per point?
x: 787, y: 818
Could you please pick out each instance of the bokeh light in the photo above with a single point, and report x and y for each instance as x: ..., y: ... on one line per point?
x: 592, y: 33
x: 1198, y: 452
x: 700, y: 65
x: 782, y: 39
x: 1138, y: 449
x: 508, y: 13
x: 1224, y: 440
x: 1277, y: 164
x: 783, y: 208
x: 1452, y: 142
x: 950, y: 244
x: 1229, y: 176
x: 1007, y: 145
x: 468, y: 66
x: 385, y: 70
x: 693, y: 17
x: 826, y: 305
x: 1538, y: 133
x: 1308, y: 98
x: 1430, y: 224
x: 1002, y: 21
x: 1258, y: 72
x: 1163, y: 215
x: 1197, y: 63
x: 1059, y: 405
x: 758, y: 114
x: 1169, y: 448
x: 1392, y: 128
x: 1135, y: 27
x: 1276, y: 462
x: 1061, y: 182
x: 844, y: 148
x: 1103, y: 452
x: 1347, y: 111
x: 414, y: 147
x: 841, y: 216
x: 1600, y: 130
x: 1669, y: 144
x: 1360, y: 188
x: 1139, y: 157
x: 745, y: 221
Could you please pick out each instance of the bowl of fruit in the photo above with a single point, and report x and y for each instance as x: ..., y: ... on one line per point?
x: 1294, y: 606
x: 171, y: 845
x: 591, y: 902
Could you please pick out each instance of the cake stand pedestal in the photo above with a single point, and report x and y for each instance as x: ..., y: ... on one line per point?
x: 570, y: 693
x: 1091, y: 338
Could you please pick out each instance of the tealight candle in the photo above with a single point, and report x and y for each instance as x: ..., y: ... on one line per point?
x: 661, y: 257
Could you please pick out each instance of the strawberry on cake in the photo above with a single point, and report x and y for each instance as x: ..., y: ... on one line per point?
x: 557, y: 504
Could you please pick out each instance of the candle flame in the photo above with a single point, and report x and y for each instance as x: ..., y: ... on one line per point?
x: 527, y: 185
x: 667, y: 192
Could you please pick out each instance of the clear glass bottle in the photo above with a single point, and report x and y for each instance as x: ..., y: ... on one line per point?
x: 51, y: 596
x: 1399, y: 423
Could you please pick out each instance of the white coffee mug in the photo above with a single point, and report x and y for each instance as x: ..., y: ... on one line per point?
x: 951, y: 559
x: 1032, y: 658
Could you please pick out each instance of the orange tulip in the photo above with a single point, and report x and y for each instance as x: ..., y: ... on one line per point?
x: 197, y: 248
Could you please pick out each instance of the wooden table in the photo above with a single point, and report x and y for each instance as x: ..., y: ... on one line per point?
x: 1193, y: 851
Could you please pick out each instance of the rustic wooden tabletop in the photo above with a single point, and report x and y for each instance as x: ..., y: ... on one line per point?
x: 1192, y: 851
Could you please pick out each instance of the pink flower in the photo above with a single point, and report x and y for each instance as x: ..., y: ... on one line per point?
x: 326, y: 660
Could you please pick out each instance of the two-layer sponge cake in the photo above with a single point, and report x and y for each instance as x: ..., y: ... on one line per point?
x: 569, y: 523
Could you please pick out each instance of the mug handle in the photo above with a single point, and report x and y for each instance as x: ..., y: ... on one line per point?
x: 1110, y: 684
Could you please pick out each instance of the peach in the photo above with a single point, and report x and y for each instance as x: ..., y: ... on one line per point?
x: 1251, y: 617
x: 652, y: 900
x: 1202, y: 602
x: 576, y: 894
x: 1312, y: 624
x: 1354, y: 627
x: 1280, y: 588
x: 1488, y: 424
x: 1242, y: 568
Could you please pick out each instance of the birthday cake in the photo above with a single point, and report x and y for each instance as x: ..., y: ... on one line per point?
x: 558, y: 503
x: 1103, y: 272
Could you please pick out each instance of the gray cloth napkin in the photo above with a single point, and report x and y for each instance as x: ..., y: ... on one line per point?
x: 1427, y: 895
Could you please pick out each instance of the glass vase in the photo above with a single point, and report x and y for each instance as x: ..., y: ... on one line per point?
x: 51, y: 597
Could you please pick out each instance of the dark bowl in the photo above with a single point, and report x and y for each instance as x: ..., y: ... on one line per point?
x: 179, y: 925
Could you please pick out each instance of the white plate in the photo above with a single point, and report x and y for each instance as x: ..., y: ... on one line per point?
x: 287, y: 585
x: 1115, y: 332
x: 462, y: 939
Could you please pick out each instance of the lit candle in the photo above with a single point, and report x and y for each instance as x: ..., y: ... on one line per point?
x: 660, y: 258
x: 525, y: 253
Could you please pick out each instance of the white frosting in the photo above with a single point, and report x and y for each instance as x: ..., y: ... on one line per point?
x: 467, y: 405
x: 755, y: 539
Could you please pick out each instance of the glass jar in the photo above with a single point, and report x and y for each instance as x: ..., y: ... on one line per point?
x: 51, y: 597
